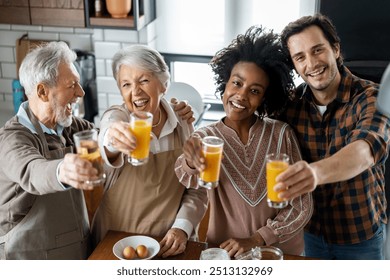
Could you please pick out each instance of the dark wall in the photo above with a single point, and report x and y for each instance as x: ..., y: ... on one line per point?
x: 364, y: 29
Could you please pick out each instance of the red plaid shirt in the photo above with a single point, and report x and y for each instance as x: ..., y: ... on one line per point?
x: 349, y: 211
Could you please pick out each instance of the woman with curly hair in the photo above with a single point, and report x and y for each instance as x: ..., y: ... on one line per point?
x: 254, y: 82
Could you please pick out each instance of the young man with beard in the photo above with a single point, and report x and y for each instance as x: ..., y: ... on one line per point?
x: 344, y: 142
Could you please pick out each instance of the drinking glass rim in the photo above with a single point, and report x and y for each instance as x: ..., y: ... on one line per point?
x: 216, y: 138
x: 85, y: 133
x: 282, y: 157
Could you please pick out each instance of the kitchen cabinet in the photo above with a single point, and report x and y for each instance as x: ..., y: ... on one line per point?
x: 14, y: 12
x: 142, y: 13
x: 68, y: 13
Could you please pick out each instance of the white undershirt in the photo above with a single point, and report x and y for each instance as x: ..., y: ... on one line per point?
x: 321, y: 109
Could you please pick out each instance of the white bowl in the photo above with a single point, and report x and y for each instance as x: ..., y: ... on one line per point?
x: 133, y: 241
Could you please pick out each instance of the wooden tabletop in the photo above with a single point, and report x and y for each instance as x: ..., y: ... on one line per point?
x: 104, y: 249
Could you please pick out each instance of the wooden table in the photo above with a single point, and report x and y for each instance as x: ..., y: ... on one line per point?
x: 104, y: 249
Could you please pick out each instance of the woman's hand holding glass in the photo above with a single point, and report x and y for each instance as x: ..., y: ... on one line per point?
x: 192, y: 150
x: 120, y: 137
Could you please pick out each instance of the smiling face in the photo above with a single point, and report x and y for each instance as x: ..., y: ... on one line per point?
x: 62, y: 96
x: 141, y: 90
x: 315, y: 59
x: 244, y: 93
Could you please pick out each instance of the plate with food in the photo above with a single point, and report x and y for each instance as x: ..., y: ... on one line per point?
x: 138, y: 247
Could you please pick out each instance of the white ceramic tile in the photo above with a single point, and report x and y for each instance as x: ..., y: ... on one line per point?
x: 58, y: 29
x: 43, y: 36
x: 76, y: 41
x: 8, y: 97
x: 98, y: 35
x: 101, y: 112
x: 37, y: 28
x: 83, y: 31
x: 8, y: 38
x: 114, y: 99
x: 151, y: 44
x: 100, y: 65
x: 6, y: 54
x: 6, y: 85
x: 106, y: 84
x: 102, y: 101
x: 97, y: 120
x: 128, y: 36
x: 6, y: 109
x: 148, y: 33
x: 8, y: 70
x: 106, y: 49
x: 5, y: 26
x: 109, y: 68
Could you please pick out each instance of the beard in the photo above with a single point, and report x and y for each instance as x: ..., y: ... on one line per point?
x: 323, y: 85
x: 60, y: 114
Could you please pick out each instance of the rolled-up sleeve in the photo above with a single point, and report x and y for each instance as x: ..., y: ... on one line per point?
x: 371, y: 126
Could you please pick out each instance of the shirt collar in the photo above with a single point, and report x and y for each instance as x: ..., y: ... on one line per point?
x: 343, y: 91
x: 172, y: 121
x: 25, y: 121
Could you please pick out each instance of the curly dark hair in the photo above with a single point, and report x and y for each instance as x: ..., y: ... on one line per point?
x: 262, y: 48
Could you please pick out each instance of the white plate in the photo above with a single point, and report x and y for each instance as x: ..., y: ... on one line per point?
x: 133, y: 241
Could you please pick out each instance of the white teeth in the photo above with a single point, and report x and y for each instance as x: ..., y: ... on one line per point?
x: 69, y: 106
x: 141, y: 102
x: 318, y: 72
x: 237, y: 105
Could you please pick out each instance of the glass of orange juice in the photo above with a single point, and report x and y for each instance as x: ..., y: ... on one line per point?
x: 141, y: 127
x: 276, y: 164
x: 212, y: 148
x: 87, y: 147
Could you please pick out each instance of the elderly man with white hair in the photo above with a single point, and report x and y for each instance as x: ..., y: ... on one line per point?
x: 42, y: 209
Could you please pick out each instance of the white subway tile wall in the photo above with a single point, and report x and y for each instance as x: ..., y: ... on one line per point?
x: 108, y: 67
x: 8, y: 70
x: 6, y: 54
x: 102, y: 42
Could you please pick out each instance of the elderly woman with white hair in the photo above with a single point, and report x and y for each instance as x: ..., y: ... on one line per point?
x: 146, y: 199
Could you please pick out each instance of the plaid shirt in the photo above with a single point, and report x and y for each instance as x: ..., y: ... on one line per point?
x: 350, y: 211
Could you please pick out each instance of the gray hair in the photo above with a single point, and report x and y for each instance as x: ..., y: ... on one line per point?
x: 41, y: 65
x: 142, y: 57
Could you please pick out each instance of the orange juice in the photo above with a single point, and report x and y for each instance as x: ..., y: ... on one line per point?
x: 274, y: 168
x: 141, y: 130
x: 213, y: 157
x: 87, y: 148
x: 212, y: 148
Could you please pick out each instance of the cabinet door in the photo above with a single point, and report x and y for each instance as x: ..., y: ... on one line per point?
x: 57, y: 12
x: 14, y: 12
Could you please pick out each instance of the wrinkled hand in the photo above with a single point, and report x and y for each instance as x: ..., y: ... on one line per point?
x: 173, y: 243
x: 192, y: 150
x: 120, y: 137
x: 299, y: 178
x: 237, y: 246
x: 183, y: 110
x: 75, y: 170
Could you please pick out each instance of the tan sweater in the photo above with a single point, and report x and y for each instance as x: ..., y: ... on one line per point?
x: 238, y: 207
